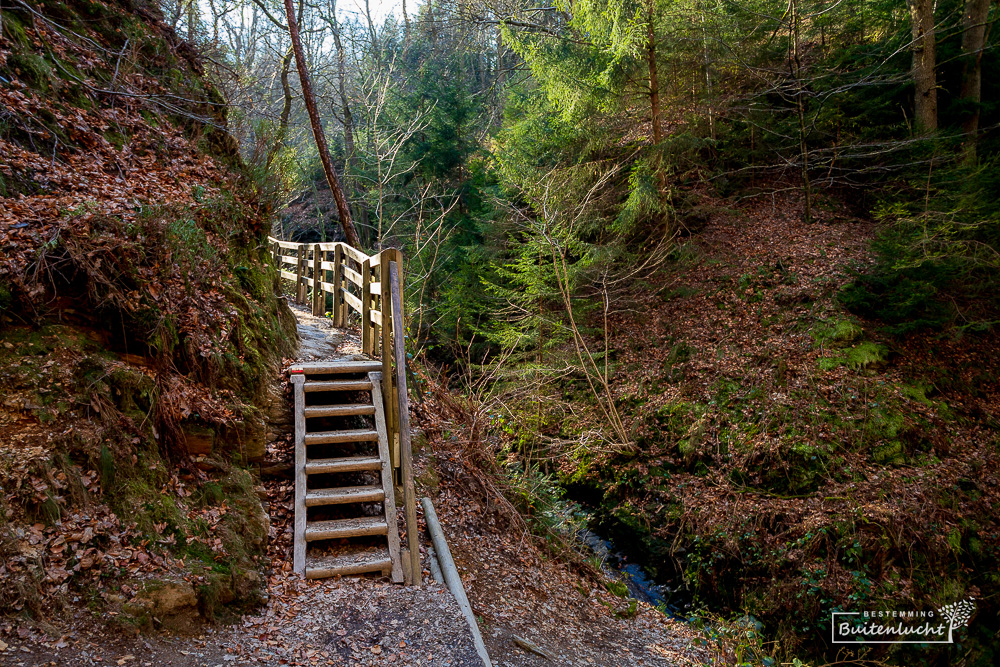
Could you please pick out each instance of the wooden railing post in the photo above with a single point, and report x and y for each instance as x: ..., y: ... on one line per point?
x: 376, y: 307
x: 366, y: 307
x: 385, y: 305
x: 300, y: 267
x: 405, y: 453
x: 338, y: 279
x: 299, y: 545
x: 398, y: 256
x: 318, y: 300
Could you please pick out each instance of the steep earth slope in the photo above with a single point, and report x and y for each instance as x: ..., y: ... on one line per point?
x: 139, y: 330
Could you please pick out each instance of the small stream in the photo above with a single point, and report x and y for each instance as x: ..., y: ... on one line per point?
x: 616, y: 565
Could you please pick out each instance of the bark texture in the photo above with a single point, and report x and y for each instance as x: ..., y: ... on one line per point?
x: 654, y: 82
x: 925, y: 104
x: 973, y: 40
x: 309, y: 97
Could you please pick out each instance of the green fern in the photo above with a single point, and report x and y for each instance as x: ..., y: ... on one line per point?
x: 864, y: 354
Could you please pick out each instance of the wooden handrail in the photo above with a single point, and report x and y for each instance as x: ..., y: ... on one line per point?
x: 347, y: 280
x: 406, y: 454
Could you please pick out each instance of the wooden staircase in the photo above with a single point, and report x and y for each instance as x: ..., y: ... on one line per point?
x: 345, y: 510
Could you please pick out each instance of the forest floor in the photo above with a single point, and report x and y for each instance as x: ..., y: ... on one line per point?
x: 515, y: 590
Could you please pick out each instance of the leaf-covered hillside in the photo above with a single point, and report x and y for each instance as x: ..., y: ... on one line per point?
x: 139, y: 331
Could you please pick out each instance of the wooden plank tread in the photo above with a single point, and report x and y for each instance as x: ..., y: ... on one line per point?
x: 333, y: 367
x: 329, y: 437
x: 338, y: 410
x: 342, y: 464
x: 340, y: 528
x: 338, y: 385
x: 345, y: 494
x: 344, y: 564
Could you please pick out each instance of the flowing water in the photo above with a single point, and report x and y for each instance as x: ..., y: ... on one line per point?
x: 641, y: 586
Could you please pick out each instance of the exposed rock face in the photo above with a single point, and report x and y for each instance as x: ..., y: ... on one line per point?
x: 174, y: 604
x: 199, y: 440
x: 316, y: 342
x: 278, y: 414
x: 173, y: 598
x: 246, y: 437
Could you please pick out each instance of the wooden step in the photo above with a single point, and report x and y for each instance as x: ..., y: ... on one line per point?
x: 340, y: 528
x: 329, y: 437
x: 353, y: 563
x: 346, y: 494
x: 338, y: 385
x: 338, y: 410
x: 334, y: 367
x: 343, y: 464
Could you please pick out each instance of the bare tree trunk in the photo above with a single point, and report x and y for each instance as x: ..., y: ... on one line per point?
x: 654, y: 104
x: 430, y: 19
x: 707, y: 66
x: 924, y: 64
x: 192, y: 20
x: 354, y: 183
x: 500, y: 70
x: 973, y: 40
x: 350, y: 235
x: 654, y: 83
x: 178, y: 12
x: 215, y: 22
x: 373, y: 36
x: 800, y: 105
x: 286, y: 109
x: 406, y: 23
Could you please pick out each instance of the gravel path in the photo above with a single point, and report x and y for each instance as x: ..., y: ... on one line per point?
x: 347, y: 622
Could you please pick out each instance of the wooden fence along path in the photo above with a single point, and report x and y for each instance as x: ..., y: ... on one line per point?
x: 349, y: 456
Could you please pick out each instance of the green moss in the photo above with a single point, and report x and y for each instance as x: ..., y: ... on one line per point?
x: 14, y: 29
x: 116, y: 139
x: 917, y: 392
x: 32, y: 69
x: 211, y: 493
x: 617, y: 588
x: 48, y: 511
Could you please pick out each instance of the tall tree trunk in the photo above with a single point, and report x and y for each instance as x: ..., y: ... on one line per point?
x: 973, y: 41
x: 430, y: 19
x: 373, y: 36
x: 192, y: 20
x: 924, y: 64
x: 353, y: 181
x: 215, y: 22
x: 707, y: 66
x: 654, y: 83
x: 654, y: 106
x: 286, y: 109
x: 350, y: 235
x: 500, y: 73
x: 800, y: 105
